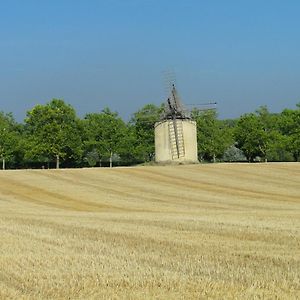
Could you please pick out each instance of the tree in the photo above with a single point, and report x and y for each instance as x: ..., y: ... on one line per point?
x: 290, y: 127
x: 9, y: 138
x: 278, y: 147
x: 53, y: 132
x: 142, y: 128
x: 275, y: 141
x: 251, y: 137
x: 258, y: 135
x: 213, y: 136
x: 104, y: 133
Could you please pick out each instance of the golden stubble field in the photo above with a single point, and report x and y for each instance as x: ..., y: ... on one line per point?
x: 217, y: 231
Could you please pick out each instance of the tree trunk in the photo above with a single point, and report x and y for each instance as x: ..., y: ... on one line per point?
x: 110, y: 159
x: 57, y: 161
x: 3, y: 163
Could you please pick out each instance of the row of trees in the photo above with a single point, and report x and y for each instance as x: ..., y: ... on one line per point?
x: 53, y: 135
x: 252, y: 137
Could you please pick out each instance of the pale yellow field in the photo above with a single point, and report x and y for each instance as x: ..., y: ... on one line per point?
x: 217, y: 231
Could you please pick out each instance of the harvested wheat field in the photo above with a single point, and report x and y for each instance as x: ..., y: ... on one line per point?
x: 217, y: 231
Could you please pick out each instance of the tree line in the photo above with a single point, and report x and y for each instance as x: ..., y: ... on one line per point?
x: 52, y: 135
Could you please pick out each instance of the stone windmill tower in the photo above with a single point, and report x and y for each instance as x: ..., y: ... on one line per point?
x: 175, y: 133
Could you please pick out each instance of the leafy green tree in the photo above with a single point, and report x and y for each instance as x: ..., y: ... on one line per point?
x: 276, y: 142
x: 128, y: 150
x: 278, y: 147
x: 273, y: 139
x: 258, y: 135
x: 104, y: 133
x: 251, y: 137
x: 213, y: 136
x: 142, y: 130
x: 290, y: 127
x: 9, y: 138
x: 53, y: 132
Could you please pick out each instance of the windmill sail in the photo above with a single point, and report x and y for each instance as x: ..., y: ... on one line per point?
x: 174, y: 109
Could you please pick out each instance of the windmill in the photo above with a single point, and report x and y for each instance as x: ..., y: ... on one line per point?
x: 176, y: 132
x: 175, y: 112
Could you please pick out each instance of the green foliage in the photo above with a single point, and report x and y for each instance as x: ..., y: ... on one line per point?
x: 290, y: 127
x: 213, y: 136
x: 104, y: 133
x: 53, y: 131
x: 142, y: 130
x: 250, y: 136
x: 9, y: 138
x: 258, y: 135
x: 278, y: 148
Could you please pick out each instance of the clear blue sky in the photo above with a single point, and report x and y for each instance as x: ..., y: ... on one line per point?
x: 93, y: 53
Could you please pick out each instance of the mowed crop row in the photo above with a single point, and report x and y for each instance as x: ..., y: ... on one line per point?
x: 200, y: 231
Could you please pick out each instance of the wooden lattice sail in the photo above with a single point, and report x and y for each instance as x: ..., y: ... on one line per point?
x: 175, y: 134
